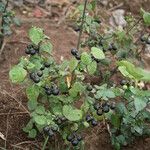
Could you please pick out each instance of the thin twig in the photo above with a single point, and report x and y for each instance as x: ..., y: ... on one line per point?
x: 4, y: 91
x: 7, y: 124
x: 116, y: 7
x: 82, y: 23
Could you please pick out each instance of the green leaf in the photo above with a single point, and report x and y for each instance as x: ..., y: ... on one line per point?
x: 32, y: 92
x: 115, y: 120
x: 97, y: 53
x: 28, y: 127
x: 146, y: 17
x: 40, y: 110
x: 139, y: 103
x: 32, y: 105
x: 17, y: 74
x: 73, y: 64
x: 46, y: 47
x: 41, y: 120
x: 36, y: 35
x: 71, y: 113
x: 32, y: 133
x: 86, y: 58
x: 92, y: 67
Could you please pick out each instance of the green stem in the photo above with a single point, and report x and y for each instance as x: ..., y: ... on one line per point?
x: 45, y: 143
x: 82, y: 23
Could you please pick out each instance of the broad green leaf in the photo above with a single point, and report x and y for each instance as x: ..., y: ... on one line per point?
x: 40, y: 110
x: 92, y: 67
x: 32, y: 133
x: 146, y: 17
x: 71, y: 113
x: 32, y: 92
x: 73, y: 64
x: 36, y: 35
x: 46, y: 47
x: 28, y: 127
x: 139, y: 103
x: 41, y: 120
x: 115, y: 120
x: 17, y: 74
x: 57, y: 109
x: 86, y: 58
x: 97, y: 53
x: 32, y: 104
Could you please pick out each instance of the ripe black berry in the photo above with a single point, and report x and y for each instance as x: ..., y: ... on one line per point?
x: 42, y: 68
x: 47, y: 65
x: 105, y: 109
x: 143, y: 38
x: 70, y: 137
x: 40, y: 73
x: 88, y: 118
x: 96, y: 106
x: 36, y: 79
x: 55, y: 91
x: 46, y: 129
x: 148, y: 41
x: 78, y: 57
x: 75, y: 142
x: 32, y: 76
x: 123, y: 82
x: 32, y: 51
x: 94, y: 122
x: 50, y: 133
x: 27, y: 51
x: 99, y: 112
x: 48, y: 92
x: 79, y: 137
x: 74, y: 51
x: 89, y: 88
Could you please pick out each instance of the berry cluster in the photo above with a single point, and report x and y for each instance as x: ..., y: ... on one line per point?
x: 32, y: 49
x: 51, y: 90
x: 74, y: 139
x: 60, y: 120
x: 36, y: 76
x: 91, y: 120
x: 103, y: 107
x: 75, y: 53
x: 50, y: 131
x: 145, y: 39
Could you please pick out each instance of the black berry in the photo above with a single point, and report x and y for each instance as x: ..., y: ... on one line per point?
x: 48, y: 92
x: 148, y: 41
x: 74, y: 51
x: 27, y: 51
x: 96, y: 106
x: 46, y: 129
x: 40, y: 73
x: 143, y: 38
x: 88, y: 118
x: 42, y: 68
x: 105, y: 109
x: 112, y: 106
x: 75, y: 142
x: 70, y: 137
x: 32, y: 76
x: 50, y: 133
x: 99, y: 112
x: 36, y: 79
x: 32, y: 51
x: 78, y: 57
x: 47, y: 65
x: 94, y: 122
x: 89, y: 88
x: 123, y: 82
x: 55, y: 91
x: 79, y: 137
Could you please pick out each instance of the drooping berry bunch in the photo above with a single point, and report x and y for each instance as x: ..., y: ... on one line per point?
x: 103, y: 107
x: 74, y: 138
x: 32, y: 49
x: 75, y: 53
x: 36, y: 76
x: 51, y: 90
x: 91, y: 119
x: 60, y: 120
x: 50, y: 131
x: 145, y: 39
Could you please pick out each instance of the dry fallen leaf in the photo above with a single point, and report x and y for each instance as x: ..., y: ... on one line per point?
x: 2, y: 136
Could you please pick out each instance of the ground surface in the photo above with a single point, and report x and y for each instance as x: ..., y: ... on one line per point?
x: 13, y: 113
